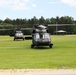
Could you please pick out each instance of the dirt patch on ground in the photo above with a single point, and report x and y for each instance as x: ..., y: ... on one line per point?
x: 37, y: 71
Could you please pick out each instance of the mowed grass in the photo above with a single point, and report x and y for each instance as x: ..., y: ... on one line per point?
x: 19, y: 55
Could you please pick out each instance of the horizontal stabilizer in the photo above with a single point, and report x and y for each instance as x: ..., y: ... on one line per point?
x: 28, y: 38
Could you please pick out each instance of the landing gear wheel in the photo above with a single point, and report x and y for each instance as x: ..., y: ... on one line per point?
x: 50, y: 45
x: 32, y: 46
x: 14, y: 39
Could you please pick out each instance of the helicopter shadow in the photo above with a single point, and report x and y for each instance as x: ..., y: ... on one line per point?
x: 41, y: 48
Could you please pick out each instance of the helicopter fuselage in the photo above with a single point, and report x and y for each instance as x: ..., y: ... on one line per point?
x: 41, y: 37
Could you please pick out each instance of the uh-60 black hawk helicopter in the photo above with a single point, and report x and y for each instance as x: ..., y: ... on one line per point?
x: 40, y: 36
x: 18, y: 35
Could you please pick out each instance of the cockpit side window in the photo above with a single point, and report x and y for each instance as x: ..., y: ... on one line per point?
x: 37, y: 36
x: 46, y: 35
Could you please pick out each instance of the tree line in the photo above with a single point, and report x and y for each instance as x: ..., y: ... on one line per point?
x: 28, y: 23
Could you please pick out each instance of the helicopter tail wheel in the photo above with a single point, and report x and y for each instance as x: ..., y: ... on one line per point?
x: 32, y: 46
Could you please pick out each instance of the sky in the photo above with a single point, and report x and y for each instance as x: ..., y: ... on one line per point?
x: 14, y: 9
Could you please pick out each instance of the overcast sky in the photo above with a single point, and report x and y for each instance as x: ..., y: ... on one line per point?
x: 28, y: 8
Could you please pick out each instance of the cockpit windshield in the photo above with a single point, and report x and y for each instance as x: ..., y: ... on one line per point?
x: 37, y: 36
x: 46, y: 35
x: 42, y: 36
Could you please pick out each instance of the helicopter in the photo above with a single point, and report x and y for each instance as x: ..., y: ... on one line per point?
x: 40, y: 36
x: 18, y: 35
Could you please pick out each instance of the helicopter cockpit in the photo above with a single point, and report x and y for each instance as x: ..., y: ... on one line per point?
x: 42, y: 36
x: 41, y: 39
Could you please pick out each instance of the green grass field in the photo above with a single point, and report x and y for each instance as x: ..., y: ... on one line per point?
x: 19, y: 55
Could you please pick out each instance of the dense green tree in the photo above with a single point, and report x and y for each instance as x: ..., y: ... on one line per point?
x: 41, y: 20
x: 47, y: 21
x: 66, y: 20
x: 57, y: 20
x: 26, y: 23
x: 1, y: 21
x: 7, y: 20
x: 53, y: 20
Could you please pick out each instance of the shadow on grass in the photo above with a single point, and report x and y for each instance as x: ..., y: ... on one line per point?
x: 41, y: 48
x: 18, y: 40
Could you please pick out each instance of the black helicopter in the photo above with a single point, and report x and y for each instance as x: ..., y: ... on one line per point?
x: 18, y: 35
x: 40, y: 36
